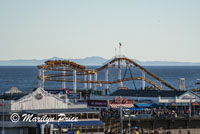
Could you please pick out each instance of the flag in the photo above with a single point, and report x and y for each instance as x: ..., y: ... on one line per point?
x: 120, y: 44
x: 67, y: 91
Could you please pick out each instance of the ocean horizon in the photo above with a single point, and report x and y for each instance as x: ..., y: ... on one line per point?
x: 25, y: 77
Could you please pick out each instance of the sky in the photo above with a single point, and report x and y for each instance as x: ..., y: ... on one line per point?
x: 149, y: 30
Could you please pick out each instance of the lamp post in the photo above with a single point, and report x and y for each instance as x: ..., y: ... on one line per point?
x: 128, y: 114
x: 121, y: 121
x: 129, y: 122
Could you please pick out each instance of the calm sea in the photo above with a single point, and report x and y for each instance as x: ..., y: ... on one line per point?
x: 25, y: 77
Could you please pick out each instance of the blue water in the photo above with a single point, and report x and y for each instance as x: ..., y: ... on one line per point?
x: 25, y: 77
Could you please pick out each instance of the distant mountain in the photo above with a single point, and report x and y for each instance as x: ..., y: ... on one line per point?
x: 93, y: 61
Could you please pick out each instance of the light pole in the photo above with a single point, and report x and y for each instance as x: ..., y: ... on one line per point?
x: 121, y: 121
x: 129, y: 123
x: 127, y: 111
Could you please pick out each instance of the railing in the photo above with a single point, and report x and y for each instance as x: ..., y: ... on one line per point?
x: 140, y: 116
x: 114, y: 57
x: 152, y: 116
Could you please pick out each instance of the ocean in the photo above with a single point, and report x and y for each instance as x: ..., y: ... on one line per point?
x: 25, y: 77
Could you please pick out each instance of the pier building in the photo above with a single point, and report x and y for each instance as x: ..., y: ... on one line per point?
x: 42, y: 105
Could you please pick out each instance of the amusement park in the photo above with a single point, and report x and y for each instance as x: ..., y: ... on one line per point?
x: 106, y: 99
x: 99, y: 67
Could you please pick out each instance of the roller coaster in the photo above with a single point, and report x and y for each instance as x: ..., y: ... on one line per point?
x: 69, y: 71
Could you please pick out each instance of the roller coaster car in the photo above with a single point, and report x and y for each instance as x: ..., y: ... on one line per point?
x: 123, y: 88
x: 49, y: 62
x: 65, y: 62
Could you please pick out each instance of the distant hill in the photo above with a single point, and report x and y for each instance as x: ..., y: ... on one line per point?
x: 92, y: 61
x: 95, y: 60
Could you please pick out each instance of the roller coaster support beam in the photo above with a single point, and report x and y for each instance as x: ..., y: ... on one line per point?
x: 143, y: 82
x: 74, y: 82
x: 85, y: 84
x: 106, y: 78
x: 90, y: 84
x: 141, y: 68
x: 63, y: 83
x: 119, y: 74
x: 95, y: 79
x: 161, y: 85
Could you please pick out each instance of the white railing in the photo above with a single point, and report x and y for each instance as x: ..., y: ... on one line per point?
x: 114, y: 57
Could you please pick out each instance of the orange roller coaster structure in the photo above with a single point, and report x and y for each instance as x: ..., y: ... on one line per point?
x: 69, y: 71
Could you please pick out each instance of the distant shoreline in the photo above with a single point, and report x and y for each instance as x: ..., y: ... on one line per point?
x: 93, y: 61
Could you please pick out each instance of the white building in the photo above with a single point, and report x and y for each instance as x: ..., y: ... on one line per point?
x: 40, y: 103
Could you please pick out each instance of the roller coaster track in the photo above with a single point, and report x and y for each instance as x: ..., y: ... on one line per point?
x: 59, y: 76
x: 107, y: 82
x: 140, y: 67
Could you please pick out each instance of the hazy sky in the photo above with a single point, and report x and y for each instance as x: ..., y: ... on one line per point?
x: 149, y: 30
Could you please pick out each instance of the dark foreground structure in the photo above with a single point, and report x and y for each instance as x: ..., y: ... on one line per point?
x: 154, y: 124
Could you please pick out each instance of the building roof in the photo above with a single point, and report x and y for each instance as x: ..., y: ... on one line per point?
x: 13, y: 90
x: 14, y: 96
x: 147, y: 93
x: 57, y: 111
